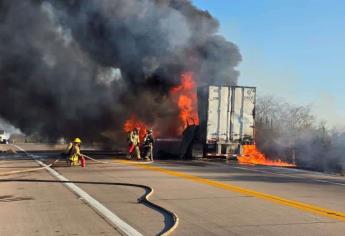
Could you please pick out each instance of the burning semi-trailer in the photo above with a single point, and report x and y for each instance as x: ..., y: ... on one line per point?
x: 220, y: 119
x: 227, y: 124
x: 227, y: 118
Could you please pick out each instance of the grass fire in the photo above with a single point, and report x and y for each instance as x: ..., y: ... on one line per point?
x: 251, y: 155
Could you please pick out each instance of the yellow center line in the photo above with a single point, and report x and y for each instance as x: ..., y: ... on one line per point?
x: 272, y: 198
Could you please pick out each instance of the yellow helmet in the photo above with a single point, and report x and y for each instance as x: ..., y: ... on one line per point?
x: 77, y: 140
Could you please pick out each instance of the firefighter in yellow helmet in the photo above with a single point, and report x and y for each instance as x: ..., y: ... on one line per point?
x: 74, y: 156
x: 67, y: 152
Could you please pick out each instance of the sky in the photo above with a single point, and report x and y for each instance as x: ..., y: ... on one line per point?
x: 292, y: 49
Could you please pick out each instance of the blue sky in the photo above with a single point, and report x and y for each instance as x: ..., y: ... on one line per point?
x: 293, y: 49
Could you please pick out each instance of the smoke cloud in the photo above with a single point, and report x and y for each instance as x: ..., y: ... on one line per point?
x: 292, y: 133
x: 81, y: 68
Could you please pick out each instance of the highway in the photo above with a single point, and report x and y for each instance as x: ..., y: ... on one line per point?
x: 209, y: 198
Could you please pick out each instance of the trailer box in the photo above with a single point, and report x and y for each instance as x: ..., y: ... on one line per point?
x: 227, y: 118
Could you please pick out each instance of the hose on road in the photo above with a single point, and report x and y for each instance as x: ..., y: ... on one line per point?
x: 145, y: 199
x: 27, y: 170
x: 112, y: 163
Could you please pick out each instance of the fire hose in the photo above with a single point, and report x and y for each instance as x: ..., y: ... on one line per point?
x: 142, y: 200
x: 27, y: 170
x: 112, y: 163
x: 145, y: 198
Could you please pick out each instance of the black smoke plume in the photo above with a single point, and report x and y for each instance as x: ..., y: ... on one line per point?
x: 81, y: 68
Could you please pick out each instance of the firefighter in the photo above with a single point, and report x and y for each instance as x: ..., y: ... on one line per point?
x: 134, y: 142
x: 67, y: 152
x: 75, y: 157
x: 148, y: 145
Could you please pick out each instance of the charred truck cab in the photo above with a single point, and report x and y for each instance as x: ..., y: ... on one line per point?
x: 227, y: 119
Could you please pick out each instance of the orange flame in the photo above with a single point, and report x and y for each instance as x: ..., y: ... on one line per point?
x: 134, y: 122
x: 184, y: 95
x: 251, y: 155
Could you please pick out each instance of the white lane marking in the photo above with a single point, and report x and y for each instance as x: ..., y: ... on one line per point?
x: 113, y: 219
x: 21, y: 149
x: 291, y: 176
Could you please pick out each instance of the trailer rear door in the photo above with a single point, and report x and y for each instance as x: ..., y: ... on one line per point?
x: 242, y: 117
x: 230, y: 116
x: 218, y: 114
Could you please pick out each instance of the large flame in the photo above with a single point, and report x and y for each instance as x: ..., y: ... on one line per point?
x: 134, y: 122
x: 251, y: 155
x: 184, y: 95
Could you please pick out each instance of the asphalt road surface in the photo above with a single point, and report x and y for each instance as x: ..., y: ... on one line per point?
x: 210, y: 198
